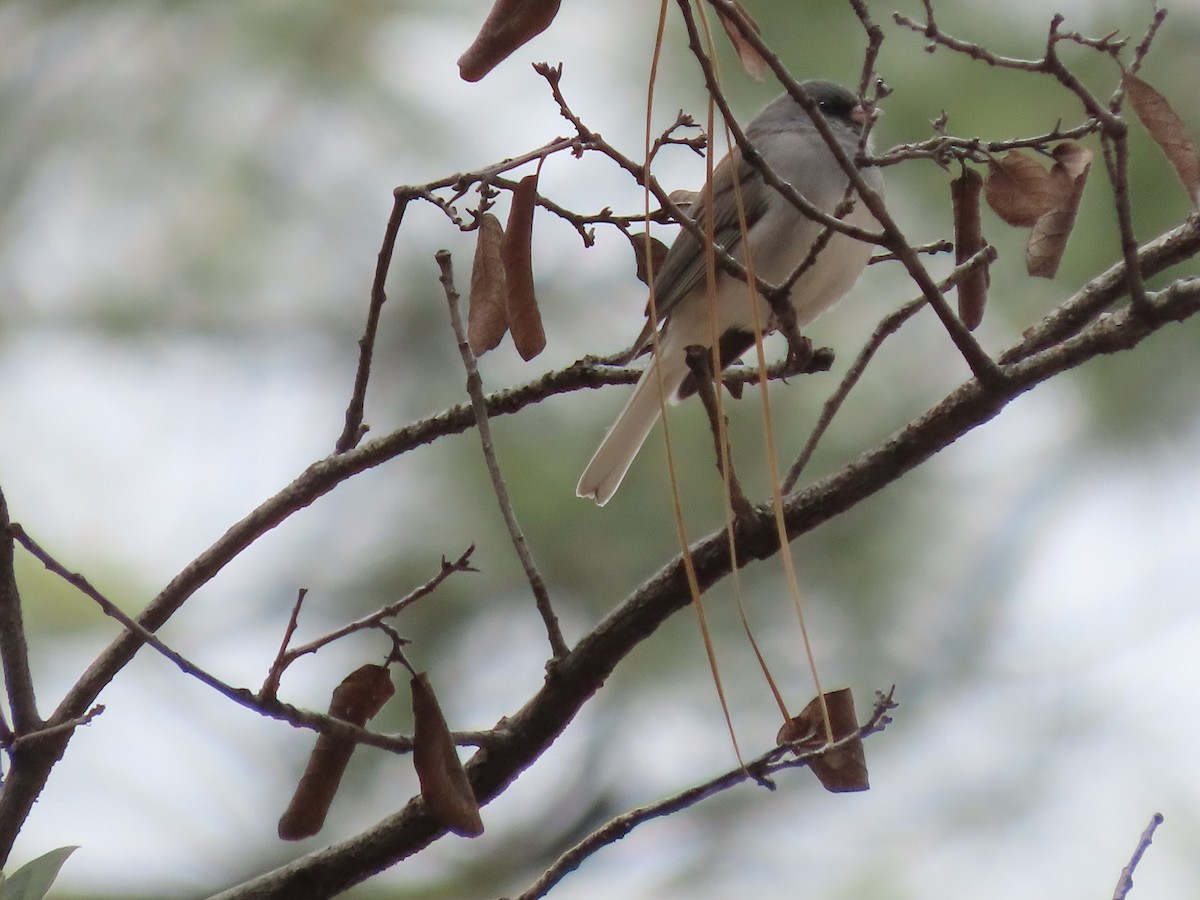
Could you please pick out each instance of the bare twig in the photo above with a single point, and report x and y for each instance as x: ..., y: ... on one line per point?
x: 286, y: 657
x: 14, y: 651
x: 944, y: 149
x: 558, y: 644
x: 266, y: 705
x: 354, y: 428
x: 760, y: 770
x: 270, y: 687
x: 1125, y: 882
x: 888, y: 326
x: 61, y: 729
x: 1112, y: 127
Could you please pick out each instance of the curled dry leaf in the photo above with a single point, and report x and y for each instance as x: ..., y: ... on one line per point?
x: 1168, y: 132
x: 1048, y: 239
x: 516, y: 250
x: 752, y: 60
x: 1019, y: 189
x: 843, y: 769
x: 357, y: 700
x: 968, y: 240
x: 487, y: 316
x: 444, y: 784
x: 657, y: 253
x: 509, y: 25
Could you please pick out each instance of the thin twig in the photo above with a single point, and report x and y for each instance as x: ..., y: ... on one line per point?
x: 267, y: 706
x: 14, y: 650
x: 558, y: 644
x: 270, y: 688
x: 25, y: 741
x: 1125, y: 882
x: 888, y: 326
x: 760, y: 770
x: 1112, y: 126
x: 375, y: 619
x: 354, y: 428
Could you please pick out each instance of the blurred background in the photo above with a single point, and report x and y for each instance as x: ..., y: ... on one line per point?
x: 192, y: 197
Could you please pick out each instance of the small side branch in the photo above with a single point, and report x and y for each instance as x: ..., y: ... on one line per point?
x: 14, y: 651
x: 760, y: 770
x: 886, y: 328
x: 558, y: 645
x: 294, y: 716
x: 354, y: 428
x: 286, y: 657
x: 1125, y: 882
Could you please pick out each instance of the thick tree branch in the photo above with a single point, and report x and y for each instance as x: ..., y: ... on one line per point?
x: 523, y: 737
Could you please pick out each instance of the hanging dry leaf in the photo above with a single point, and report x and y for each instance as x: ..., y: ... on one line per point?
x: 1048, y: 239
x: 1168, y: 132
x: 509, y: 25
x: 487, y: 317
x: 752, y: 60
x: 840, y: 770
x: 524, y: 319
x: 1019, y: 189
x: 968, y: 240
x: 357, y: 699
x: 444, y: 784
x: 658, y: 252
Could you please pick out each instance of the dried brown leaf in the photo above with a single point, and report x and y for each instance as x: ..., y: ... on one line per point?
x: 487, y: 316
x: 1168, y: 132
x: 843, y: 769
x: 444, y: 784
x: 658, y: 252
x: 357, y: 699
x: 968, y: 240
x: 1048, y: 239
x: 524, y: 319
x: 752, y: 60
x: 509, y: 25
x: 1019, y: 189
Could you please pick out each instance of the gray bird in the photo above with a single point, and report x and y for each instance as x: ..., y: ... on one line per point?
x: 779, y: 238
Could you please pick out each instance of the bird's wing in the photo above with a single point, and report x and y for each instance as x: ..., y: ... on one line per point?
x: 684, y: 266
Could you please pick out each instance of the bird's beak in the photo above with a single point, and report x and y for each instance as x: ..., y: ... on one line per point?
x: 860, y: 115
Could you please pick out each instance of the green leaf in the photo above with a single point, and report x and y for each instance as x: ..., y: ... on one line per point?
x: 33, y: 880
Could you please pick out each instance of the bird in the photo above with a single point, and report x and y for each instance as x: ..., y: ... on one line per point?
x: 778, y: 236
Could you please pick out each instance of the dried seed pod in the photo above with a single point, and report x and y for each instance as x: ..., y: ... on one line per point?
x: 444, y: 784
x: 843, y: 769
x: 487, y: 315
x: 509, y: 25
x: 1168, y: 131
x: 968, y: 240
x: 357, y: 700
x: 524, y: 319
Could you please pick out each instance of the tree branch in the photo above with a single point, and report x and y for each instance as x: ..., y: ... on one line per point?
x: 578, y: 675
x: 558, y: 645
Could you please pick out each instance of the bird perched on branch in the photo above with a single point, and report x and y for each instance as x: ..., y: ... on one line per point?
x: 778, y: 236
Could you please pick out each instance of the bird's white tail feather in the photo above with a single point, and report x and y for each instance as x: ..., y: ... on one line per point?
x: 661, y: 379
